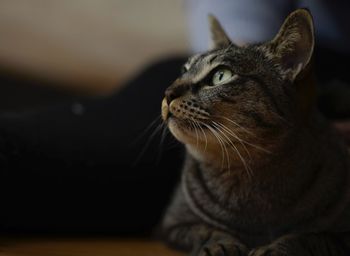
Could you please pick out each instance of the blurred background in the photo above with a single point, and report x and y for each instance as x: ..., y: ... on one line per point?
x: 88, y: 46
x: 62, y: 171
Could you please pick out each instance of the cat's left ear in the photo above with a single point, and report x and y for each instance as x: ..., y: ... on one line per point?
x: 218, y: 35
x: 293, y: 45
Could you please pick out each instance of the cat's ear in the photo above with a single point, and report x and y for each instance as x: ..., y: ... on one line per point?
x: 218, y: 35
x: 294, y: 43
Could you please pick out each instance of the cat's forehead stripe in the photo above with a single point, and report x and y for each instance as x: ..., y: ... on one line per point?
x: 200, y: 58
x: 203, y: 71
x: 201, y: 65
x: 192, y: 60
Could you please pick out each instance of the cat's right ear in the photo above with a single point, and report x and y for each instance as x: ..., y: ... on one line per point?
x: 218, y: 35
x: 294, y: 43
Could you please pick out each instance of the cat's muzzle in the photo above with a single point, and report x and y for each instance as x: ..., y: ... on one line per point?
x: 165, y: 110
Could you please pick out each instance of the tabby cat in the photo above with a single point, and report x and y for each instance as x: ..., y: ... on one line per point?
x: 264, y: 174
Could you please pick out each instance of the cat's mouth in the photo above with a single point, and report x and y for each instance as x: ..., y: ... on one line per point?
x: 183, y: 109
x: 187, y: 131
x: 183, y: 122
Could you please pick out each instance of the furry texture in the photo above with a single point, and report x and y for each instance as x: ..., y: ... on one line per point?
x: 264, y: 174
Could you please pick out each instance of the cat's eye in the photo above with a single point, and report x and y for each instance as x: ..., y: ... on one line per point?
x: 221, y: 76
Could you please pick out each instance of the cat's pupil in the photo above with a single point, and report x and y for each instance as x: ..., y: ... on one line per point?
x: 221, y: 75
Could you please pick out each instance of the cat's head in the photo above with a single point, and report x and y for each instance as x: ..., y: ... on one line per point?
x: 236, y: 96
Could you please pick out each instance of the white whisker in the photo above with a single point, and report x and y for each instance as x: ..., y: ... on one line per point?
x: 148, y: 142
x: 161, y: 143
x: 148, y: 128
x: 238, y: 125
x: 244, y: 129
x: 247, y: 168
x: 230, y: 132
x: 220, y: 143
x: 205, y: 136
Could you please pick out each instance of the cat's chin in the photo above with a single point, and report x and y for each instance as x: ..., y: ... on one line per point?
x: 178, y: 129
x: 183, y: 133
x: 186, y: 135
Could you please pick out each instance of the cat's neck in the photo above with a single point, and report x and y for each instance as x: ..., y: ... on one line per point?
x: 288, y: 167
x: 308, y: 173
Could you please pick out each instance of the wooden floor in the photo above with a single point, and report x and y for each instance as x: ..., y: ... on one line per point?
x: 83, y: 247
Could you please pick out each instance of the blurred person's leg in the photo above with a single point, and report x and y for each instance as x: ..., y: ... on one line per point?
x: 75, y: 167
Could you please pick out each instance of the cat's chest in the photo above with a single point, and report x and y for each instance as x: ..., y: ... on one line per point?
x: 226, y: 205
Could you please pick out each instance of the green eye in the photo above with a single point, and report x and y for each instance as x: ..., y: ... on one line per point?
x: 221, y: 76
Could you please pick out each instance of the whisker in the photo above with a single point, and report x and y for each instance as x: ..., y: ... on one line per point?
x: 195, y: 129
x: 236, y: 124
x: 198, y: 125
x: 146, y: 130
x: 161, y: 143
x: 205, y: 136
x: 219, y: 139
x: 236, y: 150
x: 244, y: 141
x: 147, y: 144
x: 234, y: 136
x: 225, y: 149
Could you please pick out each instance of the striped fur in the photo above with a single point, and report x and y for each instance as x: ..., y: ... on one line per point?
x: 264, y: 174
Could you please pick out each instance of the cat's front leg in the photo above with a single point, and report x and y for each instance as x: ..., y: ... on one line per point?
x: 303, y: 245
x: 203, y: 240
x: 182, y: 229
x: 219, y: 244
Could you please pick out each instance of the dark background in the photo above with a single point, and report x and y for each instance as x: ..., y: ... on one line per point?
x: 69, y: 172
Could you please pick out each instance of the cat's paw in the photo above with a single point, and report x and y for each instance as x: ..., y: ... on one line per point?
x: 286, y: 246
x: 298, y: 245
x: 221, y: 248
x: 221, y: 244
x: 269, y: 250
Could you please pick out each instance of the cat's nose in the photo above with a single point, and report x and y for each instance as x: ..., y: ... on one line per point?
x: 170, y: 94
x: 175, y: 91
